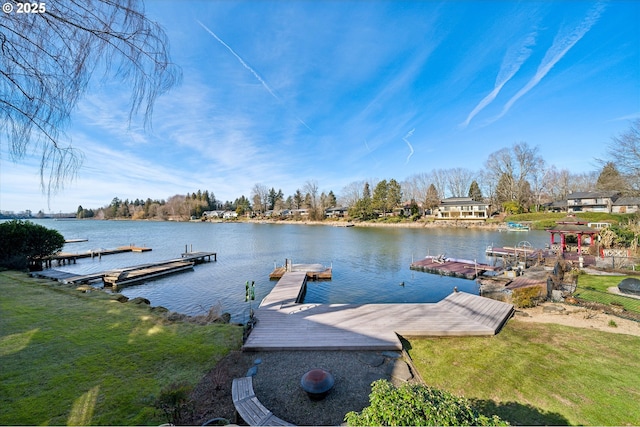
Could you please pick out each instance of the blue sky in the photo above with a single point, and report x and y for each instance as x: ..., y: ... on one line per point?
x: 282, y: 92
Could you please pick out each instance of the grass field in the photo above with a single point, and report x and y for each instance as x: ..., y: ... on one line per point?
x: 539, y: 374
x: 82, y: 359
x: 595, y: 288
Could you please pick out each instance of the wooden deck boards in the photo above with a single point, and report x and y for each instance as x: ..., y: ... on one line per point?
x: 284, y: 324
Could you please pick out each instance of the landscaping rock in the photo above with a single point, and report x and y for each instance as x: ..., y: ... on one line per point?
x: 371, y: 359
x: 400, y: 370
x: 553, y: 309
x: 630, y: 285
x: 140, y: 300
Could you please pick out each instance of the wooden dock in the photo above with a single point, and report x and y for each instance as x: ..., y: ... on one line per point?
x: 199, y: 257
x: 285, y: 324
x: 128, y: 276
x: 131, y: 275
x: 314, y: 271
x: 63, y: 258
x: 464, y: 269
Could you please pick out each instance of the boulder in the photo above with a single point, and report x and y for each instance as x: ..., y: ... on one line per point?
x: 630, y: 285
x: 119, y: 297
x: 140, y: 300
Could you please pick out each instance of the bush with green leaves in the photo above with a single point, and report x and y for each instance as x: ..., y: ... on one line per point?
x: 417, y: 405
x: 22, y: 242
x: 526, y: 297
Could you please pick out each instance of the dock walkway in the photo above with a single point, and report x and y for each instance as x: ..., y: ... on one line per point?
x: 130, y: 275
x: 285, y: 324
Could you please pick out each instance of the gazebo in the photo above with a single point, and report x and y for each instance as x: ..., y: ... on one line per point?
x: 572, y: 225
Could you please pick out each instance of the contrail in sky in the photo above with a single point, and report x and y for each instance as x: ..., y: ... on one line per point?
x: 244, y: 64
x: 563, y: 42
x: 511, y: 63
x: 409, y: 144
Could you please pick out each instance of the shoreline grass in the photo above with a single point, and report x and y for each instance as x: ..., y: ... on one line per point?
x: 69, y: 358
x: 539, y: 374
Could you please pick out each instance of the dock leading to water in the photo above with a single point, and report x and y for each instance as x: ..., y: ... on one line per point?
x: 283, y: 323
x: 62, y: 258
x: 119, y: 278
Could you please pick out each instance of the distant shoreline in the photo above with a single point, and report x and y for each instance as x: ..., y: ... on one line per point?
x: 413, y: 224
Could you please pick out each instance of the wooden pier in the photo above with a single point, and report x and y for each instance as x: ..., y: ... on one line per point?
x: 283, y: 323
x: 465, y: 269
x: 199, y: 257
x: 131, y: 275
x: 63, y: 258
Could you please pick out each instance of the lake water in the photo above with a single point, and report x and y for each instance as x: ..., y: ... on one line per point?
x: 369, y: 264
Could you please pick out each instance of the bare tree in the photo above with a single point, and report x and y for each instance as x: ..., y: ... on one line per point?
x: 260, y: 197
x: 624, y: 150
x: 458, y: 181
x: 351, y: 193
x: 311, y: 187
x: 439, y: 180
x: 558, y: 183
x: 415, y: 186
x: 539, y: 183
x: 511, y: 168
x: 48, y: 59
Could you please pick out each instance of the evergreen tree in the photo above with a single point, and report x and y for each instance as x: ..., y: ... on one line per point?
x: 394, y: 195
x: 475, y: 193
x: 379, y: 199
x: 610, y: 179
x: 432, y: 199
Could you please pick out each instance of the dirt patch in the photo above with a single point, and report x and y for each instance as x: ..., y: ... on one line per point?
x: 579, y: 317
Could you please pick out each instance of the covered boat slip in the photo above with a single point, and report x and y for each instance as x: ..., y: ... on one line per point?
x: 285, y: 324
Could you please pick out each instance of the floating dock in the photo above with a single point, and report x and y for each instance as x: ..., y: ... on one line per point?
x: 465, y: 269
x: 313, y: 271
x: 128, y: 276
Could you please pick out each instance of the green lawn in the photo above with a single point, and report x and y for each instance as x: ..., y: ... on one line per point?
x: 83, y: 359
x: 595, y: 288
x: 539, y: 374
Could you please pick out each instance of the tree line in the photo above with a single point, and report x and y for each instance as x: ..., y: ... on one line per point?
x: 513, y: 179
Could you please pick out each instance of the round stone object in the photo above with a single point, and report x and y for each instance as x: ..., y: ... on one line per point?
x: 317, y: 383
x: 630, y: 285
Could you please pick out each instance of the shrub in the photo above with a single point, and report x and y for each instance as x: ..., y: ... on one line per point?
x: 526, y: 297
x: 174, y: 402
x: 415, y: 405
x: 24, y: 241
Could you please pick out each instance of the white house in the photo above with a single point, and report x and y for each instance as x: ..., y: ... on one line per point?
x: 462, y: 208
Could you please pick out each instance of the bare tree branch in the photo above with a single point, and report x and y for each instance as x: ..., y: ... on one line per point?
x: 48, y: 60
